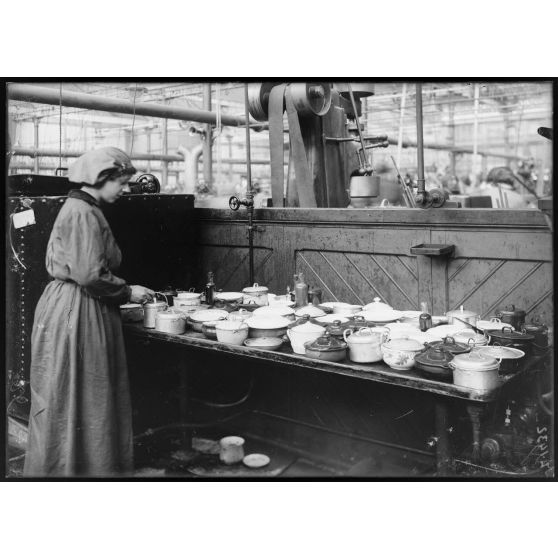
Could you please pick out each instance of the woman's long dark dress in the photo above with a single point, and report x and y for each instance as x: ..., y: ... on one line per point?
x: 80, y: 420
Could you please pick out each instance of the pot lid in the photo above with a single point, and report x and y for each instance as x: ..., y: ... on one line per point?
x: 397, y: 327
x: 435, y: 356
x: 336, y: 328
x: 377, y: 306
x: 155, y: 304
x: 345, y: 306
x: 423, y: 336
x: 332, y: 319
x: 451, y: 345
x: 445, y: 330
x: 404, y: 344
x: 380, y: 315
x: 186, y: 295
x: 267, y: 322
x: 306, y: 326
x: 360, y: 321
x: 255, y: 289
x: 208, y: 315
x: 535, y: 328
x: 230, y: 325
x: 466, y: 335
x: 325, y: 343
x: 494, y: 324
x: 474, y: 361
x: 364, y: 335
x: 310, y: 310
x: 170, y: 315
x: 501, y: 352
x: 460, y: 313
x: 272, y: 311
x: 228, y: 296
x: 240, y: 315
x: 411, y: 314
x: 130, y: 306
x: 508, y: 333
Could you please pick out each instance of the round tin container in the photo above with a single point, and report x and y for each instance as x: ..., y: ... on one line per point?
x: 150, y: 311
x: 170, y: 322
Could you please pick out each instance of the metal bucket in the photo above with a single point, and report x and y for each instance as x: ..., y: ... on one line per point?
x: 363, y: 190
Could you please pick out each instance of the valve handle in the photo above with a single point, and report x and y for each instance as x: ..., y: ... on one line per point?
x: 234, y: 203
x: 437, y: 197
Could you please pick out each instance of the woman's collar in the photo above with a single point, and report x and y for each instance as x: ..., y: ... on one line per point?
x: 84, y: 196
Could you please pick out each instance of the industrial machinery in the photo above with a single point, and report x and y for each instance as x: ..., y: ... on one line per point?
x: 323, y: 168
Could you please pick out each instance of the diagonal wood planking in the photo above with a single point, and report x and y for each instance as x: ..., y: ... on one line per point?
x: 360, y: 277
x: 490, y: 285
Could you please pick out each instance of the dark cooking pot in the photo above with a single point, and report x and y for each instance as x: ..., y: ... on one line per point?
x: 540, y: 334
x: 450, y: 345
x: 510, y: 315
x: 516, y: 339
x: 434, y: 363
x: 511, y: 359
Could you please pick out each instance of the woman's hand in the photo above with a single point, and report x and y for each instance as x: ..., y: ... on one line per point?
x: 141, y: 294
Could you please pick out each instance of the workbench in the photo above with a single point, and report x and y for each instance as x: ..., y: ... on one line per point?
x: 444, y: 392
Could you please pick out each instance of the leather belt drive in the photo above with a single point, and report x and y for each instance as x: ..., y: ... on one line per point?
x: 296, y: 98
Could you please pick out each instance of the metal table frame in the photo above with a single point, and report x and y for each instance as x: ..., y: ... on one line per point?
x: 379, y: 372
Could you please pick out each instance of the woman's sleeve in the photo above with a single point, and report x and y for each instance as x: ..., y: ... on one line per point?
x: 86, y: 259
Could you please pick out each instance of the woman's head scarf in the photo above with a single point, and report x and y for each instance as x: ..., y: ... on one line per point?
x: 98, y: 165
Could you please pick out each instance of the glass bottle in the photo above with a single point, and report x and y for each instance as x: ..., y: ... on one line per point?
x: 301, y: 291
x: 210, y: 289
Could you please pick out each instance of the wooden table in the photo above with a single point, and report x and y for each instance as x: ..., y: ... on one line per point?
x: 377, y: 372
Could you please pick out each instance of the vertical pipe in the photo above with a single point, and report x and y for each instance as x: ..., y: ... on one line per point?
x: 476, y: 168
x: 401, y: 117
x: 421, y: 187
x: 165, y: 164
x: 148, y: 147
x: 36, y: 144
x: 207, y: 155
x: 249, y: 192
x: 451, y: 136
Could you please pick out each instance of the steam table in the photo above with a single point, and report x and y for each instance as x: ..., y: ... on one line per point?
x: 378, y: 372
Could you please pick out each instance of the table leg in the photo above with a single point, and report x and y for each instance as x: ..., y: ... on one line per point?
x: 184, y: 403
x: 443, y: 453
x: 475, y: 413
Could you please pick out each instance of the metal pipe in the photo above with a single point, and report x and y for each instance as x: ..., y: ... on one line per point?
x: 31, y: 152
x: 191, y: 157
x: 165, y: 164
x: 249, y: 191
x: 36, y: 144
x: 366, y: 167
x: 148, y: 147
x: 208, y: 140
x: 50, y: 96
x: 476, y: 166
x: 401, y: 117
x: 421, y: 183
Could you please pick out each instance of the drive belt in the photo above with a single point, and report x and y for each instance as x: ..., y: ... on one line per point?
x: 276, y: 150
x: 280, y: 97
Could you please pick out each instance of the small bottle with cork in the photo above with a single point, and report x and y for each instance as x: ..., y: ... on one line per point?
x: 425, y: 319
x: 209, y: 290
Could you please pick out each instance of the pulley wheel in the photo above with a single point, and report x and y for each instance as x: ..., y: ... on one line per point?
x: 258, y: 99
x: 148, y: 184
x: 311, y: 98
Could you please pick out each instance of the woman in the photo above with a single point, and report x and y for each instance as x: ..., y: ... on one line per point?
x: 80, y: 419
